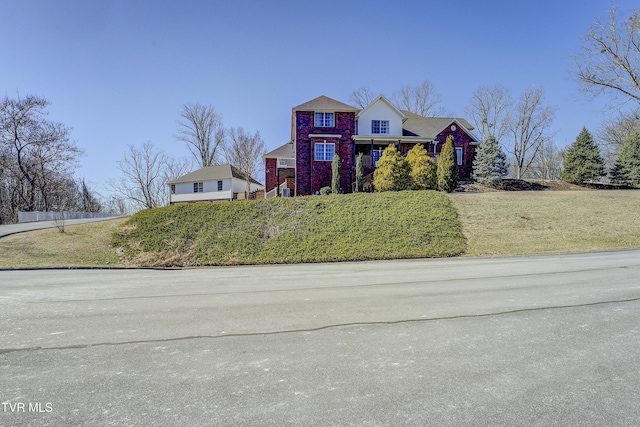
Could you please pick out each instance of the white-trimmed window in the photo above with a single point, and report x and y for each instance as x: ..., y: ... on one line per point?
x: 173, y: 189
x: 325, y: 151
x: 380, y: 126
x: 324, y: 120
x: 197, y: 187
x: 459, y: 155
x: 219, y: 185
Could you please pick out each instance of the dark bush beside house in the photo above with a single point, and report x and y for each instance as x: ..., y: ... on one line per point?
x: 447, y: 167
x: 392, y: 171
x: 626, y: 170
x: 359, y: 174
x: 583, y: 161
x: 490, y: 163
x: 336, y: 164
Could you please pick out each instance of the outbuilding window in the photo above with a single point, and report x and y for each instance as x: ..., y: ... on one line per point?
x: 197, y: 187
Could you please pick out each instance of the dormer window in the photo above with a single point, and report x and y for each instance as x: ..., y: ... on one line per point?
x: 379, y: 126
x: 324, y: 120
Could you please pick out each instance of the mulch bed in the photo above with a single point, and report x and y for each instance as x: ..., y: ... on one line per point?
x: 534, y: 185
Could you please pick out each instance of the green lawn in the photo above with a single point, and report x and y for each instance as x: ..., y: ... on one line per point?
x: 342, y: 227
x: 533, y: 222
x: 410, y: 224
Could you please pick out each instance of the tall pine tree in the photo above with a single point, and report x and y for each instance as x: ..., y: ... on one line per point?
x: 490, y: 163
x: 626, y: 169
x: 392, y: 171
x: 447, y: 167
x: 583, y: 161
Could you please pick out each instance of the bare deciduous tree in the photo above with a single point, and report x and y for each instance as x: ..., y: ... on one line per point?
x: 362, y: 97
x: 547, y: 164
x: 529, y: 129
x: 200, y: 127
x: 143, y: 176
x: 36, y: 156
x: 245, y: 152
x: 489, y: 110
x: 423, y: 100
x: 610, y: 57
x: 614, y: 132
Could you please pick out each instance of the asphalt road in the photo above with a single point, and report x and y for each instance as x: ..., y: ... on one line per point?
x: 545, y: 340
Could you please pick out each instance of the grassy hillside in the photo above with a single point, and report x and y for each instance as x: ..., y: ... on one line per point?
x: 533, y: 222
x: 79, y: 245
x: 286, y: 230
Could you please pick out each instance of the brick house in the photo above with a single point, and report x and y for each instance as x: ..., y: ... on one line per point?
x: 322, y: 127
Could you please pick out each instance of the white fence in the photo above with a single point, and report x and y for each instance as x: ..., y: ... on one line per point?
x: 52, y: 216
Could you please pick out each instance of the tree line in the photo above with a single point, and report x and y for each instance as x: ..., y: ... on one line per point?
x: 37, y: 162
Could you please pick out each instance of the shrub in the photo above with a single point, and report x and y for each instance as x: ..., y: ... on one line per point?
x: 392, y: 171
x: 336, y: 164
x: 325, y: 191
x: 583, y: 161
x: 490, y: 163
x: 626, y: 169
x: 447, y: 167
x: 423, y: 169
x: 359, y: 174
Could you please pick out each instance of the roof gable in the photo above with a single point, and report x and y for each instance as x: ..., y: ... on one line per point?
x: 431, y: 127
x: 324, y: 103
x: 285, y: 151
x: 383, y: 100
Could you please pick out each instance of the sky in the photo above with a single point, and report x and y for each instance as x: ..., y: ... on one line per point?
x: 119, y: 72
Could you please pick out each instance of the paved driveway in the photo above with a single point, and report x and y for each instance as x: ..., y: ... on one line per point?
x: 545, y: 340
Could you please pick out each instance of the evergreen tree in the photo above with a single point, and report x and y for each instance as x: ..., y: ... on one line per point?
x: 336, y: 165
x: 490, y: 163
x: 626, y: 169
x: 583, y: 161
x: 423, y: 169
x: 447, y: 167
x: 359, y: 173
x: 392, y: 171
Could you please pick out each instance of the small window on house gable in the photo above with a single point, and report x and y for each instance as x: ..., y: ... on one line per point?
x: 324, y: 151
x: 219, y: 185
x: 379, y: 126
x: 459, y: 155
x: 197, y: 187
x: 325, y: 120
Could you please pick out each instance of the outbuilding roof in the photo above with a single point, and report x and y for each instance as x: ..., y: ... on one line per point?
x: 211, y: 173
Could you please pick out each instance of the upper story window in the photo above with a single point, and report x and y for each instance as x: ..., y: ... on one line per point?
x: 219, y: 185
x: 197, y: 187
x: 325, y: 151
x: 325, y: 120
x: 380, y: 126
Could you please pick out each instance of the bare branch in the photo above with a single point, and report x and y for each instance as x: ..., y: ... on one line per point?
x: 245, y: 152
x: 200, y: 127
x: 609, y: 59
x: 489, y: 110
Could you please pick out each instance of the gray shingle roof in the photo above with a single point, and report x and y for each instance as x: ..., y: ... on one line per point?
x: 430, y: 127
x: 324, y: 103
x: 211, y: 173
x: 285, y: 151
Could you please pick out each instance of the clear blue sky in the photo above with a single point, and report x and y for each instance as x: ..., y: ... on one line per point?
x: 118, y: 72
